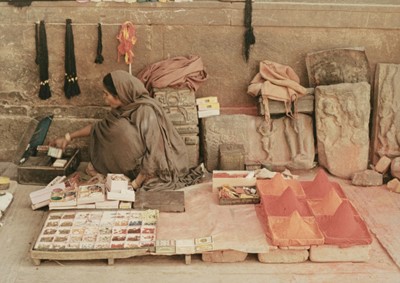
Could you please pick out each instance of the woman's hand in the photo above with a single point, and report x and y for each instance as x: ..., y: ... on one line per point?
x: 61, y: 142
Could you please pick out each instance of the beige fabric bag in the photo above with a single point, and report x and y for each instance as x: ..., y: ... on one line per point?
x: 277, y: 82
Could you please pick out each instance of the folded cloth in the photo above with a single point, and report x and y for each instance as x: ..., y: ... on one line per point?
x: 277, y: 82
x: 177, y: 72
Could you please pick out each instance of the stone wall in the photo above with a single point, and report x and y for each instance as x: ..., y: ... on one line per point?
x: 285, y: 33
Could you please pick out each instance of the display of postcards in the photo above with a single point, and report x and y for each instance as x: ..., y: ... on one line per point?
x: 72, y: 246
x: 118, y: 230
x: 134, y: 230
x: 203, y: 240
x: 147, y: 244
x: 64, y: 231
x: 105, y: 230
x: 86, y: 245
x: 123, y: 222
x: 104, y: 238
x: 49, y: 231
x: 135, y: 223
x: 75, y: 239
x: 132, y: 244
x: 55, y: 216
x: 147, y: 237
x: 165, y: 246
x: 117, y: 245
x: 91, y: 193
x: 133, y: 237
x: 89, y: 238
x: 62, y: 197
x: 66, y: 223
x: 59, y: 246
x: 118, y: 237
x: 77, y: 231
x: 102, y: 245
x: 148, y: 229
x: 87, y: 230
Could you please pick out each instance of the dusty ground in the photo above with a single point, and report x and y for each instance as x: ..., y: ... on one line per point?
x: 20, y: 226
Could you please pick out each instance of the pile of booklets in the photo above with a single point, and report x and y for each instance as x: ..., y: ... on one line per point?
x: 99, y: 192
x: 207, y: 106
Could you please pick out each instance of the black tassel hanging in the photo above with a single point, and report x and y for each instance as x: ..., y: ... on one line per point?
x: 249, y: 38
x: 43, y: 61
x: 71, y: 87
x: 37, y: 43
x: 99, y: 58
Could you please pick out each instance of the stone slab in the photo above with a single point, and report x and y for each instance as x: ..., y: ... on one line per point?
x: 281, y: 146
x: 386, y: 113
x: 224, y: 256
x: 335, y: 66
x: 331, y: 253
x: 342, y: 126
x: 284, y: 256
x: 367, y: 178
x: 383, y: 164
x: 395, y: 167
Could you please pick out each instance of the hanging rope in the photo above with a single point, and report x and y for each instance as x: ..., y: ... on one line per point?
x: 42, y: 59
x: 99, y: 58
x: 249, y: 38
x: 127, y: 38
x: 71, y: 87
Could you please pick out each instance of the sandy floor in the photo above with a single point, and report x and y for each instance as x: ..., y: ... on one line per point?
x: 20, y: 226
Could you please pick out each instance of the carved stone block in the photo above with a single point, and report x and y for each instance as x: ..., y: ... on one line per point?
x: 386, y: 112
x: 171, y: 97
x: 335, y: 66
x: 342, y: 118
x: 231, y: 157
x: 285, y: 142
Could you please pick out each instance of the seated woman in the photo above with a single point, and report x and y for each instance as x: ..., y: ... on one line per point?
x: 136, y: 138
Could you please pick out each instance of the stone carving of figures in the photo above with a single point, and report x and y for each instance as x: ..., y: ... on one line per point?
x: 331, y: 123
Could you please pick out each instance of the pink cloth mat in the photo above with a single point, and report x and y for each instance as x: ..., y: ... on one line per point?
x: 233, y: 227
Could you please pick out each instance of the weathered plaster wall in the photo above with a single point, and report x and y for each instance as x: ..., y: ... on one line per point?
x: 285, y: 32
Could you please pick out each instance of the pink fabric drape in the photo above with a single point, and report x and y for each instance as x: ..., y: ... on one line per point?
x: 177, y: 72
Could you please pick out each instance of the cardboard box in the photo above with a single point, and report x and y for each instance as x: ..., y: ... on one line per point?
x: 232, y: 178
x: 229, y: 195
x: 117, y: 183
x: 38, y: 170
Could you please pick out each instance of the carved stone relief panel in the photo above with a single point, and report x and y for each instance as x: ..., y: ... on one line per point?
x: 285, y: 142
x: 342, y: 118
x: 386, y: 112
x: 335, y: 66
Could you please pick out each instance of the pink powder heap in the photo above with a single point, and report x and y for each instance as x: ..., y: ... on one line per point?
x: 328, y: 205
x: 343, y: 223
x: 319, y: 187
x: 285, y: 204
x: 297, y: 228
x: 277, y: 185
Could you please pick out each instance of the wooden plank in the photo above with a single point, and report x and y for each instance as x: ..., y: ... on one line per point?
x: 164, y: 201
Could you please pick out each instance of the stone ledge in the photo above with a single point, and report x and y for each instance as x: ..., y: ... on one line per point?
x: 284, y: 256
x: 215, y: 13
x: 224, y: 256
x: 331, y: 253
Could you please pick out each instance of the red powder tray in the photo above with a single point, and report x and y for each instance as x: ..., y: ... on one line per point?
x: 285, y: 204
x: 277, y: 185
